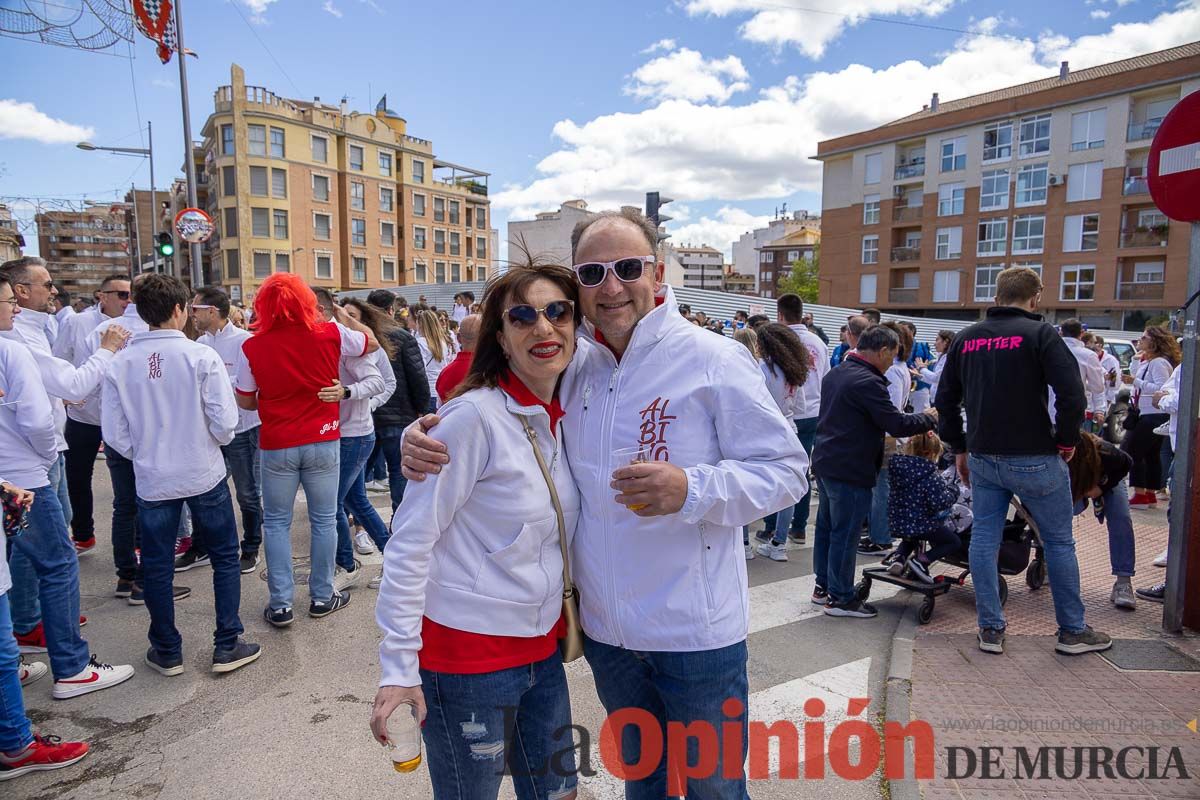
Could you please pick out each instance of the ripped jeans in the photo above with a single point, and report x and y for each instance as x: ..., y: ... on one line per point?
x: 513, y: 722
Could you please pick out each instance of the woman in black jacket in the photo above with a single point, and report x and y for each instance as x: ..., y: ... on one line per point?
x: 1098, y: 472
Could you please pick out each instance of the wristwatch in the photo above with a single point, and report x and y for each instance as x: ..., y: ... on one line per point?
x: 345, y: 392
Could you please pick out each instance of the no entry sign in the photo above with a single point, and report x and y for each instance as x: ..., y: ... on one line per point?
x: 1175, y: 162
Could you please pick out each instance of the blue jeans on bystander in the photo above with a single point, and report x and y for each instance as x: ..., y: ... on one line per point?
x: 390, y: 438
x: 15, y: 733
x: 835, y: 536
x: 355, y: 453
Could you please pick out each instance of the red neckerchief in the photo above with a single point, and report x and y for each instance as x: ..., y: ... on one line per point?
x: 518, y: 391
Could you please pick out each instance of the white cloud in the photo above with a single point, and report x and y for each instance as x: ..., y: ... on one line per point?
x: 762, y: 148
x: 330, y: 8
x: 162, y: 83
x: 720, y: 230
x: 661, y: 44
x: 811, y: 28
x: 257, y: 8
x: 686, y: 75
x: 23, y: 121
x: 1100, y: 14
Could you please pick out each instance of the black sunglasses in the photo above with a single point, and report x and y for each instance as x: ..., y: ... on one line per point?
x: 560, y: 312
x: 627, y: 270
x: 121, y: 294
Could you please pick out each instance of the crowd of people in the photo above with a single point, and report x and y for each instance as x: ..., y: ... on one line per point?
x: 595, y: 454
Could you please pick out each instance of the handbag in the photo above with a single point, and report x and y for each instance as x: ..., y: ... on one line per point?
x: 570, y: 647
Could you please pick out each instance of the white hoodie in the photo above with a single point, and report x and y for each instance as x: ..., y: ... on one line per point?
x: 89, y: 412
x: 678, y: 582
x: 228, y: 344
x: 1170, y: 404
x: 72, y: 331
x: 28, y: 441
x: 1092, y: 374
x: 808, y: 404
x: 371, y: 382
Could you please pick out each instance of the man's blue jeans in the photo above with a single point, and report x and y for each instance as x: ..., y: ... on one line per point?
x: 877, y: 520
x: 50, y: 552
x: 1044, y: 487
x: 674, y: 687
x: 212, y: 518
x: 23, y: 597
x: 315, y: 466
x: 15, y: 733
x: 835, y: 536
x: 390, y: 438
x: 806, y: 431
x: 355, y: 453
x: 243, y: 462
x: 377, y: 464
x: 1122, y: 548
x: 124, y: 516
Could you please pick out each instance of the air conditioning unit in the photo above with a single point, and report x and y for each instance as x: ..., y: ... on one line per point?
x: 1058, y: 180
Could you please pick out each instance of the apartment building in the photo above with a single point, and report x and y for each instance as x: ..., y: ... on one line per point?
x: 746, y: 248
x: 345, y: 199
x: 548, y: 234
x: 921, y: 215
x: 11, y: 240
x: 82, y: 247
x: 776, y: 258
x: 702, y: 267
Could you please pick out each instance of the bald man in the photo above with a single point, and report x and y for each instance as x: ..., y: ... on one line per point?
x: 456, y: 370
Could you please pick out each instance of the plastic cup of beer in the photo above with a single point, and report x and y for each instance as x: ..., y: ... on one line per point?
x: 404, y: 740
x: 623, y: 457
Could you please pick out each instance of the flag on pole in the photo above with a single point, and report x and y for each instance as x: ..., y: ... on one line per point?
x: 154, y: 20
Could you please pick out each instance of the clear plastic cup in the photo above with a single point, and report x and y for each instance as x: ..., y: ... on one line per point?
x: 404, y: 740
x: 623, y: 457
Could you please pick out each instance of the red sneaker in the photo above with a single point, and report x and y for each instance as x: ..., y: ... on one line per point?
x: 85, y: 547
x: 44, y: 753
x: 182, y: 546
x: 1142, y: 500
x: 82, y: 620
x: 33, y: 642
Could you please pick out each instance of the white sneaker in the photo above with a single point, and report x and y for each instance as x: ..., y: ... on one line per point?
x: 94, y: 677
x: 378, y: 486
x: 749, y: 552
x: 775, y: 552
x: 343, y: 580
x: 31, y: 672
x: 1161, y: 561
x: 363, y: 544
x: 375, y: 582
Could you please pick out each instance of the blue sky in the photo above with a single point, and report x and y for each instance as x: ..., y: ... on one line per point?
x: 718, y: 103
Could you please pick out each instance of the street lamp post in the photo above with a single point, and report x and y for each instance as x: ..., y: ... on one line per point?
x: 145, y: 152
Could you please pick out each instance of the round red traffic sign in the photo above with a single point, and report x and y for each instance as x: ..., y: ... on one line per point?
x: 194, y: 226
x: 1174, y: 164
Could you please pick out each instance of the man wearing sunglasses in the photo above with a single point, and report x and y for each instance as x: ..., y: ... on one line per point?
x: 82, y: 431
x: 663, y: 590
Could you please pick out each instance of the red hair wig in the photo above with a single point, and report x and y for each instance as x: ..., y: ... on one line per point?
x: 283, y: 299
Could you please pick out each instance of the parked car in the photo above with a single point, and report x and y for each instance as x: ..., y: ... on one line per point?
x: 1123, y: 350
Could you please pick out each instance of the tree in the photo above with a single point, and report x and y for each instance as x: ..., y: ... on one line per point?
x: 803, y: 279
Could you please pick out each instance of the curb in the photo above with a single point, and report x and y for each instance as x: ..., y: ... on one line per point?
x: 898, y: 699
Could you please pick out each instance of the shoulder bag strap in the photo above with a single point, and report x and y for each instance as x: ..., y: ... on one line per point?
x: 568, y: 586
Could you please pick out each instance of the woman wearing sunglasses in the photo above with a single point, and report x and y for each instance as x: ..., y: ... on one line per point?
x: 471, y: 594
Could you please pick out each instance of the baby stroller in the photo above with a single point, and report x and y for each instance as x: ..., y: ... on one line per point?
x: 1020, y: 551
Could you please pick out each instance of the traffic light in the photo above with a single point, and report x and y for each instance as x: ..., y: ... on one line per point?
x: 164, y: 245
x: 654, y: 204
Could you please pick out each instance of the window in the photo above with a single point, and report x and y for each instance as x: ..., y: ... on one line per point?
x: 1148, y: 272
x: 260, y: 222
x: 455, y: 243
x: 993, y: 237
x: 277, y: 148
x: 356, y: 157
x: 262, y: 264
x: 387, y: 234
x: 945, y: 286
x: 233, y: 268
x: 1078, y: 283
x: 454, y: 212
x: 872, y: 168
x: 870, y: 250
x: 418, y: 238
x: 320, y: 149
x: 283, y: 262
x: 439, y: 241
x: 322, y: 226
x: 386, y: 199
x: 871, y: 209
x: 230, y: 215
x: 420, y: 274
x: 1029, y: 234
x: 1083, y: 181
x: 997, y: 141
x: 951, y: 199
x: 257, y: 136
x: 418, y: 204
x: 769, y: 258
x: 866, y: 289
x: 258, y: 181
x: 418, y: 171
x: 1035, y: 135
x: 985, y: 282
x: 455, y: 273
x: 480, y: 247
x: 481, y: 273
x: 387, y: 270
x: 439, y: 209
x: 385, y: 164
x: 954, y: 154
x: 1081, y: 232
x: 358, y: 266
x: 1032, y: 180
x: 480, y: 217
x: 358, y: 196
x: 993, y: 190
x: 279, y: 183
x: 792, y: 256
x: 324, y: 265
x: 321, y: 188
x: 1087, y: 129
x: 949, y: 244
x: 358, y: 232
x: 229, y: 181
x: 1151, y: 218
x: 1033, y: 265
x: 439, y: 271
x: 226, y: 140
x: 470, y: 215
x: 279, y: 219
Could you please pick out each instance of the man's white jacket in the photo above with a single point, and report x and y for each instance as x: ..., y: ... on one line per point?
x: 1091, y: 372
x: 677, y: 582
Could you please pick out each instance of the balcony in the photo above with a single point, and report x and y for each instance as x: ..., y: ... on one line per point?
x: 1146, y: 237
x: 1140, y: 291
x: 906, y: 213
x: 902, y: 295
x: 913, y: 169
x: 1142, y: 130
x: 1135, y: 184
x: 906, y: 253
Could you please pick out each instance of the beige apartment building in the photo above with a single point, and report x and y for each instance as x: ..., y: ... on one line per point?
x: 11, y: 240
x: 347, y: 200
x: 81, y: 248
x: 920, y: 215
x: 777, y: 257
